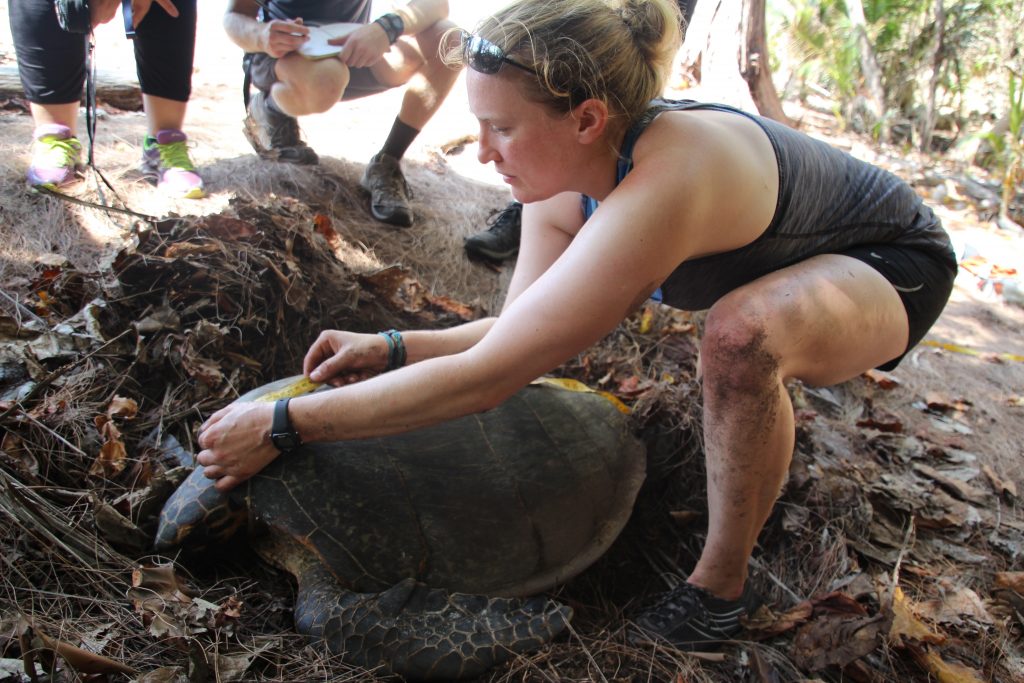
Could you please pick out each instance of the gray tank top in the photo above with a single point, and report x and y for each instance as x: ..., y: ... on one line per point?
x: 319, y: 11
x: 828, y: 202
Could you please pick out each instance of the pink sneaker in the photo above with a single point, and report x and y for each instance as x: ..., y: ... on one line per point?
x: 56, y: 157
x: 165, y: 162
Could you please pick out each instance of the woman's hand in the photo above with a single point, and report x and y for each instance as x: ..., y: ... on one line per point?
x: 236, y: 443
x: 140, y: 8
x: 338, y: 358
x: 283, y: 37
x: 102, y: 11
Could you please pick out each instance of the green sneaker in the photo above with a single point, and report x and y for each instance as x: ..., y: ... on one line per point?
x: 166, y: 163
x: 56, y: 157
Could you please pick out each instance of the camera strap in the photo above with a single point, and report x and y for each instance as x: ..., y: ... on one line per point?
x: 90, y: 129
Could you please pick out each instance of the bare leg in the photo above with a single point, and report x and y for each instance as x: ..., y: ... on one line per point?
x: 314, y: 86
x: 163, y: 114
x: 62, y: 114
x: 823, y: 321
x: 309, y: 86
x: 428, y: 88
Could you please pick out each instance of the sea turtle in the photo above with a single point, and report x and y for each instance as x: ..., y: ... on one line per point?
x: 396, y: 541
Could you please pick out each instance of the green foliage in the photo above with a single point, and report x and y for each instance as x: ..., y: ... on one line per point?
x: 1016, y: 108
x: 1009, y: 147
x: 825, y: 47
x: 980, y: 38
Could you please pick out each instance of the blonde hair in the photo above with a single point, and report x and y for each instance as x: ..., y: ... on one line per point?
x: 616, y: 51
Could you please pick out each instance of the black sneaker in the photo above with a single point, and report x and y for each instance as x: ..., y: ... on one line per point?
x: 501, y: 240
x: 690, y: 618
x: 274, y: 135
x: 389, y: 193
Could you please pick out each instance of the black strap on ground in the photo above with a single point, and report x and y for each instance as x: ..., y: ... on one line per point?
x: 93, y: 205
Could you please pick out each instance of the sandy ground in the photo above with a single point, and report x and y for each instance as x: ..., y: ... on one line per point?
x: 972, y: 360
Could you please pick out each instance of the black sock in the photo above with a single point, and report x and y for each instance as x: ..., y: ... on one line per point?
x: 399, y: 139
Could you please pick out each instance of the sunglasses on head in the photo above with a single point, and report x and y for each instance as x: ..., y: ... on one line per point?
x: 484, y: 56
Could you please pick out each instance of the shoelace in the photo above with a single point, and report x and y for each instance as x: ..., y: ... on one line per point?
x: 500, y: 216
x: 684, y: 598
x: 175, y: 155
x: 395, y: 184
x: 60, y: 153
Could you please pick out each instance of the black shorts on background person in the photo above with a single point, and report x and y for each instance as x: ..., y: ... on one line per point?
x: 51, y: 63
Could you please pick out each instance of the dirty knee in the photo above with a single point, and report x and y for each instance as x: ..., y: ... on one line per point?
x: 735, y: 356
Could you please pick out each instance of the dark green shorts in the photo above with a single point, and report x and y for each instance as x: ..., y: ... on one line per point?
x: 361, y: 81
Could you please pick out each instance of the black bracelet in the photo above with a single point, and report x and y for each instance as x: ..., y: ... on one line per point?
x: 392, y: 24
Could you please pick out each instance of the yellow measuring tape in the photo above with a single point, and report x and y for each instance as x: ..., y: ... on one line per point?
x: 576, y: 385
x: 298, y: 387
x: 956, y: 348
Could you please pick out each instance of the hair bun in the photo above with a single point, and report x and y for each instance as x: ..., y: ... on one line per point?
x: 649, y: 22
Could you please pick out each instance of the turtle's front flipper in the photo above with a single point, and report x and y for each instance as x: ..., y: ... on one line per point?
x: 423, y: 633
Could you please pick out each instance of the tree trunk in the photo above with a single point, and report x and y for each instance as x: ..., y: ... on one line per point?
x: 726, y: 52
x: 114, y: 88
x: 868, y: 66
x: 754, y: 62
x: 928, y: 123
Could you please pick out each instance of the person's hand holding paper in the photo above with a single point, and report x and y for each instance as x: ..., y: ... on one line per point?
x: 357, y: 45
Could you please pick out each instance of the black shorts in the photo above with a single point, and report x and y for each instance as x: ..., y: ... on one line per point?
x: 923, y: 278
x: 361, y: 80
x: 51, y: 61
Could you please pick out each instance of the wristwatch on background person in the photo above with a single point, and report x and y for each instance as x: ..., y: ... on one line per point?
x: 392, y: 24
x: 282, y: 433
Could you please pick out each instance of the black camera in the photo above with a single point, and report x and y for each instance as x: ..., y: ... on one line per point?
x: 74, y: 16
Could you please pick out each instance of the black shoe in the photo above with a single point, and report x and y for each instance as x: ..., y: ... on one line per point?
x: 389, y: 193
x: 501, y: 240
x: 690, y: 618
x: 274, y: 135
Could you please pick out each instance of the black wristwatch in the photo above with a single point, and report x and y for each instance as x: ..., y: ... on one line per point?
x: 282, y: 434
x: 392, y: 24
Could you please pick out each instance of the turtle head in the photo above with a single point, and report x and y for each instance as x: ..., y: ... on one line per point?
x: 197, y: 515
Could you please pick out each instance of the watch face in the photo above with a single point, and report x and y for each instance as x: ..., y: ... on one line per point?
x: 286, y: 441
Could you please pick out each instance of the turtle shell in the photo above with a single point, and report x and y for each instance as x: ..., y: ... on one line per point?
x: 511, y: 501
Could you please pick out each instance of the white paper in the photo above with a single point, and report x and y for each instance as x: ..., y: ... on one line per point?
x: 317, y: 46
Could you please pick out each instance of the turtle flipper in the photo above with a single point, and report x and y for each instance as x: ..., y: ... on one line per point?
x: 424, y: 633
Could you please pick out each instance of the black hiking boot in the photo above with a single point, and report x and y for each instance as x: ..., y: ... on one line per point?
x: 500, y: 240
x: 689, y: 618
x: 274, y: 135
x: 389, y: 193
